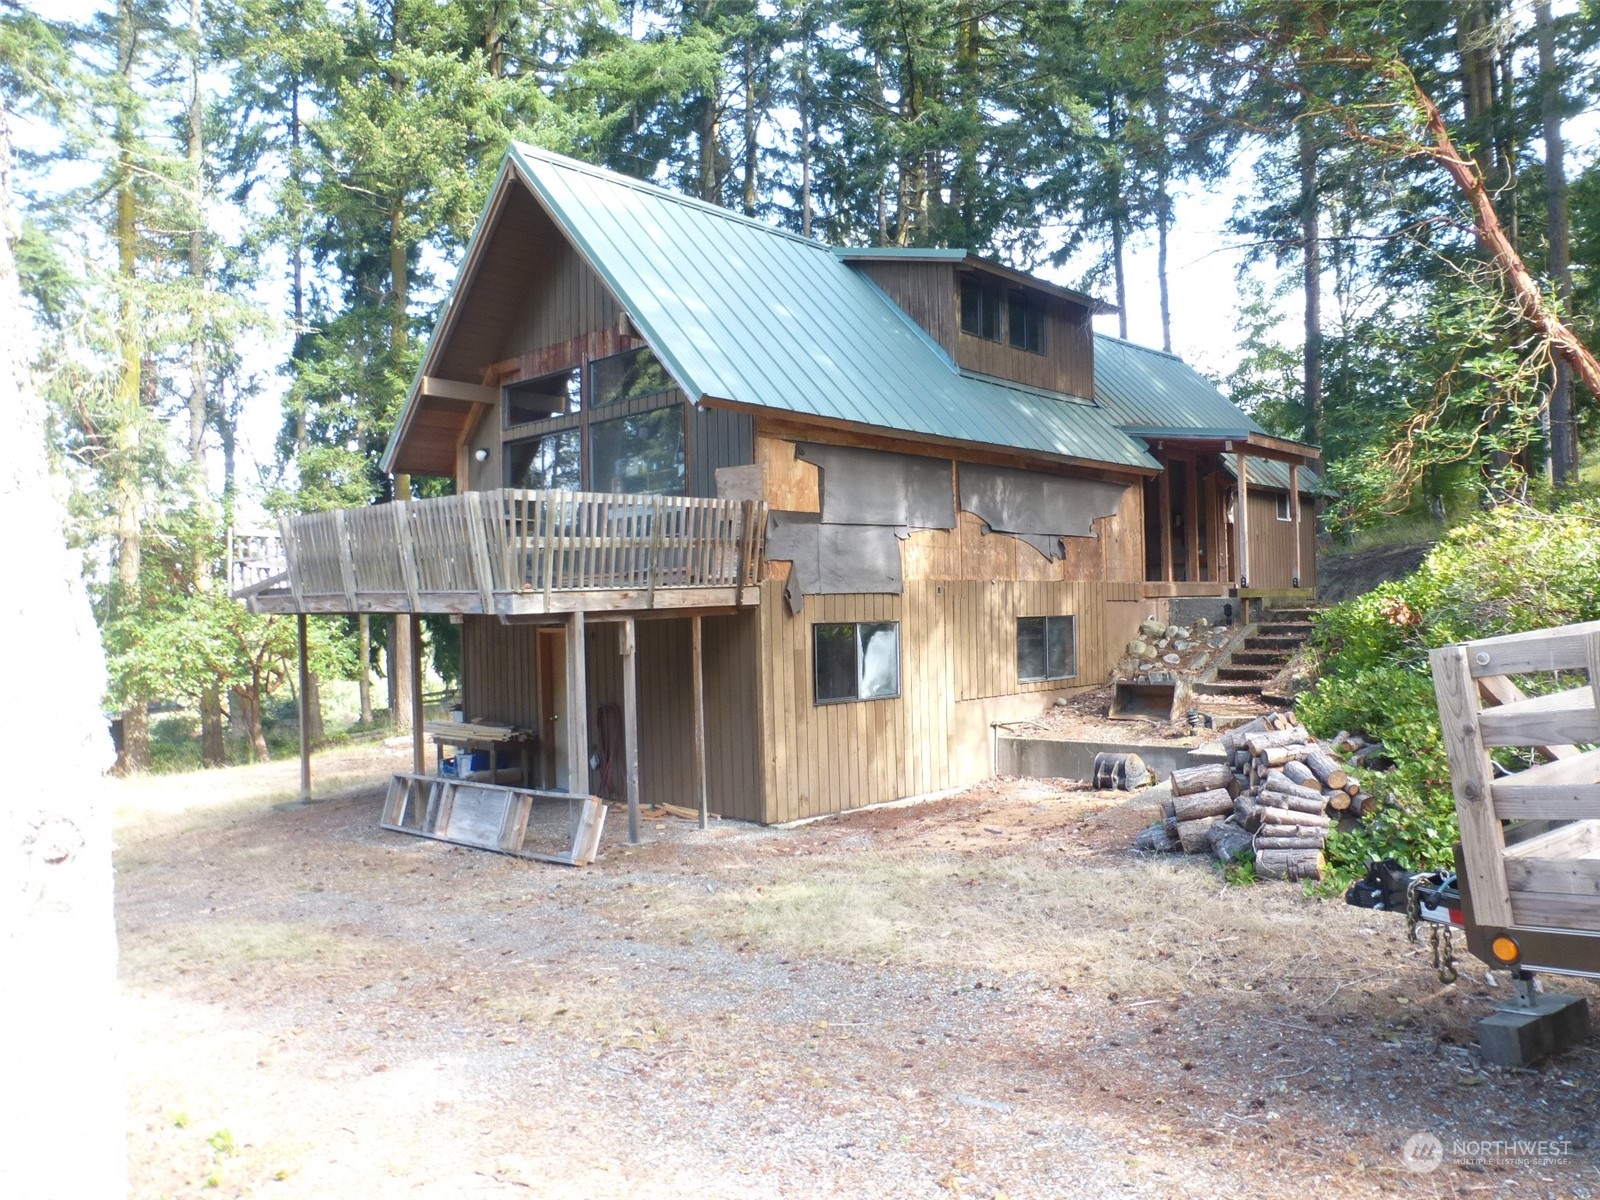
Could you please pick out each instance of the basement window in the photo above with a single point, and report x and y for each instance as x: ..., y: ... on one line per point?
x: 1025, y: 320
x: 856, y: 661
x: 980, y: 308
x: 557, y: 395
x: 1284, y: 512
x: 1046, y: 648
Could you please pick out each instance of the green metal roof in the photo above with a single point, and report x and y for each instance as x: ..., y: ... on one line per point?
x: 742, y: 312
x: 1152, y: 394
x: 1270, y: 473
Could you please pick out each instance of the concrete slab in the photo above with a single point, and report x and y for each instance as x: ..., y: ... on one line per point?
x: 1517, y: 1035
x: 1051, y: 758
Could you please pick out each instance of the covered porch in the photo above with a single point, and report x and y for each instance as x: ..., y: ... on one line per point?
x: 1226, y: 518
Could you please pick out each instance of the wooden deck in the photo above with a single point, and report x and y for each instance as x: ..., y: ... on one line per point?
x: 520, y: 553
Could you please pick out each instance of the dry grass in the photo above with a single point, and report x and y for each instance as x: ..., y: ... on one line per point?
x: 1136, y: 928
x: 227, y: 947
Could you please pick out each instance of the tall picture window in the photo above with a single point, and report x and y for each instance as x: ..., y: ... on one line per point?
x: 627, y: 377
x: 549, y: 460
x: 857, y: 660
x: 638, y: 454
x: 1046, y: 648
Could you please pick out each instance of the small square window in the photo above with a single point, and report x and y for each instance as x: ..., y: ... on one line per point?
x: 856, y: 661
x: 1046, y: 648
x: 1285, y: 513
x: 980, y: 309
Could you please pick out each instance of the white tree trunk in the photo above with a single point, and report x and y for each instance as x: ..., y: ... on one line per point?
x: 62, y: 1112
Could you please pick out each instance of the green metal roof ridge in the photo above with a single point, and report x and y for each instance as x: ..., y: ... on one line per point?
x: 928, y: 253
x: 655, y: 191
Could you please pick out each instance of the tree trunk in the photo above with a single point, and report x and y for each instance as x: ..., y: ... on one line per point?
x: 63, y: 1111
x: 249, y: 700
x: 1311, y: 252
x: 1563, y: 441
x: 751, y: 149
x: 1163, y: 217
x: 1118, y: 271
x: 125, y: 458
x: 803, y: 107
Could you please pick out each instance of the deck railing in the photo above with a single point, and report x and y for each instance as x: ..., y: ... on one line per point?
x: 480, y: 544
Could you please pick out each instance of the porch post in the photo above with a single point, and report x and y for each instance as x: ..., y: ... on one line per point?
x: 630, y: 724
x: 577, y: 707
x: 305, y: 681
x: 1242, y: 525
x: 1165, y: 489
x: 1294, y: 507
x: 1192, y: 521
x: 419, y: 742
x: 698, y: 680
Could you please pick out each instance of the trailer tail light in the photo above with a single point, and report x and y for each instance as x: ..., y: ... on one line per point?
x: 1505, y: 948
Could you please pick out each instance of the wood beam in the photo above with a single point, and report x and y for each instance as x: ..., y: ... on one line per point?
x: 698, y: 687
x: 419, y: 739
x: 577, y: 706
x: 452, y: 389
x: 630, y: 724
x: 304, y: 698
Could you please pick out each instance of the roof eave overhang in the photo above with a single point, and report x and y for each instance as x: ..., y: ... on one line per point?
x: 443, y: 327
x: 1257, y: 445
x: 1148, y: 470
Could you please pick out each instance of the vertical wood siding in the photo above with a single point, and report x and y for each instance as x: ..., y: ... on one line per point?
x: 1272, y: 543
x: 926, y: 291
x: 958, y: 673
x: 500, y: 672
x: 717, y: 438
x: 1067, y: 365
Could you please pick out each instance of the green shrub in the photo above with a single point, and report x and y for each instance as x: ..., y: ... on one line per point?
x: 1507, y: 571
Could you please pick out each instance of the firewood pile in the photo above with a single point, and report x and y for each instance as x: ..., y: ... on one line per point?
x: 1275, y: 797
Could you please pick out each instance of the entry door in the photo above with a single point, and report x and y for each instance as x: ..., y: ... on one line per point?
x: 553, y: 715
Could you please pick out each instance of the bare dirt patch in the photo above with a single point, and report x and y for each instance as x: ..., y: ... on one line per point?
x: 983, y: 995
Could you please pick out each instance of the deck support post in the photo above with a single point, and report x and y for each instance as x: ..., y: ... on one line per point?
x: 577, y: 715
x: 1191, y: 524
x: 1294, y: 507
x: 1242, y: 526
x: 305, y: 683
x: 419, y: 737
x: 698, y: 681
x: 630, y: 723
x: 1164, y: 489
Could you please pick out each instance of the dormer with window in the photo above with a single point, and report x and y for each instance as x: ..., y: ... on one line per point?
x: 990, y: 319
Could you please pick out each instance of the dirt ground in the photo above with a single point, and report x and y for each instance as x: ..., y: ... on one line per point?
x: 984, y: 995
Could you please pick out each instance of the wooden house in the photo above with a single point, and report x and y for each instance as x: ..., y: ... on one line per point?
x: 874, y: 501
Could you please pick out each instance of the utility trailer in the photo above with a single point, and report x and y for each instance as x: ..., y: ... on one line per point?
x: 1526, y: 889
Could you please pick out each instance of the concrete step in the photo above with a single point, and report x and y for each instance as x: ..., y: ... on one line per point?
x: 1259, y: 658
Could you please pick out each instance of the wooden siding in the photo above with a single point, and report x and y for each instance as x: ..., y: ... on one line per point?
x: 561, y: 300
x: 500, y: 672
x: 1272, y: 542
x: 717, y: 438
x: 958, y: 676
x: 925, y: 290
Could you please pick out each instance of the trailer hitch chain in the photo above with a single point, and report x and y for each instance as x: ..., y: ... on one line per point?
x: 1444, y: 959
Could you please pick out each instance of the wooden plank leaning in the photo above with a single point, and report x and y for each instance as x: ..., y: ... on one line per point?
x: 1471, y: 775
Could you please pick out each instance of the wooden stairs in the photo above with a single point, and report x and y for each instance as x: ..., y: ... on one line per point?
x: 1258, y: 659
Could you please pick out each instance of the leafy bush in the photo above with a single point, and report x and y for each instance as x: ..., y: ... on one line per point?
x: 1508, y: 571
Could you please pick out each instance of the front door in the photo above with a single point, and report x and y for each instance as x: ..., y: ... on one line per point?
x: 553, y: 767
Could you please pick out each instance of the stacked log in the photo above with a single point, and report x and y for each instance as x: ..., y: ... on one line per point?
x: 1275, y: 796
